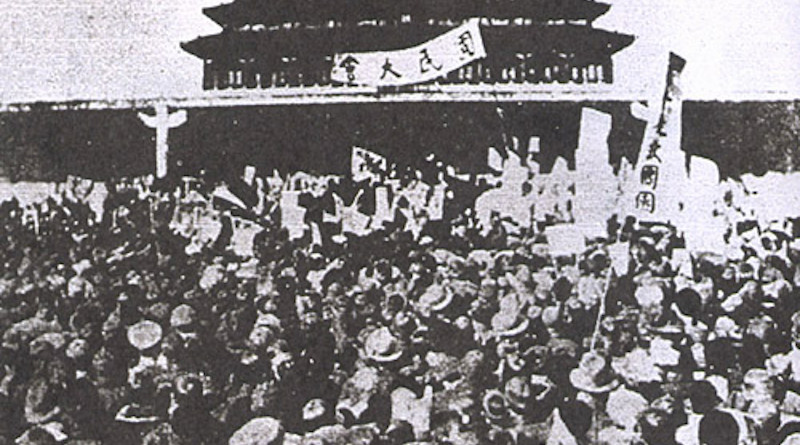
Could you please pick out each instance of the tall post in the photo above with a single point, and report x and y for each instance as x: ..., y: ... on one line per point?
x: 162, y: 122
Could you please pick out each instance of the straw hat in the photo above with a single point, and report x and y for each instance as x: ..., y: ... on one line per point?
x: 49, y: 340
x: 495, y: 405
x: 77, y: 348
x: 188, y: 384
x: 593, y: 375
x: 726, y: 327
x: 183, y: 315
x: 597, y: 260
x: 777, y: 290
x: 757, y: 385
x: 436, y: 297
x: 259, y: 431
x: 625, y: 406
x: 404, y: 323
x: 517, y: 392
x: 144, y: 335
x: 550, y: 316
x: 395, y: 302
x: 649, y: 295
x: 509, y: 322
x: 381, y: 346
x: 463, y: 288
x: 488, y: 288
x: 314, y: 409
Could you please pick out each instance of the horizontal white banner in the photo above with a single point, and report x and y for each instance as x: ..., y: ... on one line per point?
x: 419, y: 64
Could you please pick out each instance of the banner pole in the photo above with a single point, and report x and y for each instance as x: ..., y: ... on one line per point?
x: 602, y: 309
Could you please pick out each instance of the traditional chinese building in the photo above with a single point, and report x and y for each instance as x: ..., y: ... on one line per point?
x: 290, y: 43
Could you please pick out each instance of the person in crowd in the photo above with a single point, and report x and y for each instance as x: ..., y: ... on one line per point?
x: 159, y: 321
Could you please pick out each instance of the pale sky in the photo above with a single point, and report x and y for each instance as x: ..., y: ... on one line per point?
x: 81, y: 49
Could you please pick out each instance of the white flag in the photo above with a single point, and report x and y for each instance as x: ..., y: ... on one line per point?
x: 365, y: 164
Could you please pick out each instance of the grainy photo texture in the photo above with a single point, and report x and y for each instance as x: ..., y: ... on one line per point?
x: 375, y: 222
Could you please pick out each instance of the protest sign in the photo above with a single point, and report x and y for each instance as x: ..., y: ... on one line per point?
x: 660, y: 170
x: 292, y: 214
x: 365, y: 165
x: 564, y: 240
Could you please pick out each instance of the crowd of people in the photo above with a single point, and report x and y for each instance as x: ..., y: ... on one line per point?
x: 120, y: 328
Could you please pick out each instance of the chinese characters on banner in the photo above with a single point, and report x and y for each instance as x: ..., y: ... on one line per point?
x: 657, y: 168
x: 422, y: 63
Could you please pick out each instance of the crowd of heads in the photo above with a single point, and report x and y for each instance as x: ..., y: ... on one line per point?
x: 113, y: 331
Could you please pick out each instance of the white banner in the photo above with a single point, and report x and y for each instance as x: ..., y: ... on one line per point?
x: 422, y: 63
x: 661, y: 167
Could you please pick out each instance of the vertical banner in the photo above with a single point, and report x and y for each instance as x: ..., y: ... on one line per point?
x: 661, y: 170
x: 422, y: 63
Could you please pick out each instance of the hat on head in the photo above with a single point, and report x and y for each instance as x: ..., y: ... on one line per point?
x: 158, y: 311
x: 760, y: 326
x: 259, y: 431
x: 488, y: 288
x: 81, y: 266
x: 188, y: 384
x: 663, y: 353
x: 183, y: 315
x: 534, y: 312
x: 144, y: 335
x: 757, y: 385
x: 456, y: 264
x: 597, y: 260
x: 647, y: 241
x: 517, y: 392
x: 503, y: 283
x: 625, y: 406
x: 495, y: 405
x: 593, y: 374
x: 77, y: 348
x: 50, y: 340
x: 776, y: 290
x: 265, y: 304
x: 395, y: 302
x: 436, y: 298
x: 382, y: 346
x: 463, y: 288
x: 649, y: 295
x: 314, y: 409
x: 404, y: 323
x: 718, y: 427
x: 509, y: 323
x: 426, y: 240
x: 550, y: 316
x: 726, y: 327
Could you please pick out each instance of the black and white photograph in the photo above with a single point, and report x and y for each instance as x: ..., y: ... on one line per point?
x: 400, y: 222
